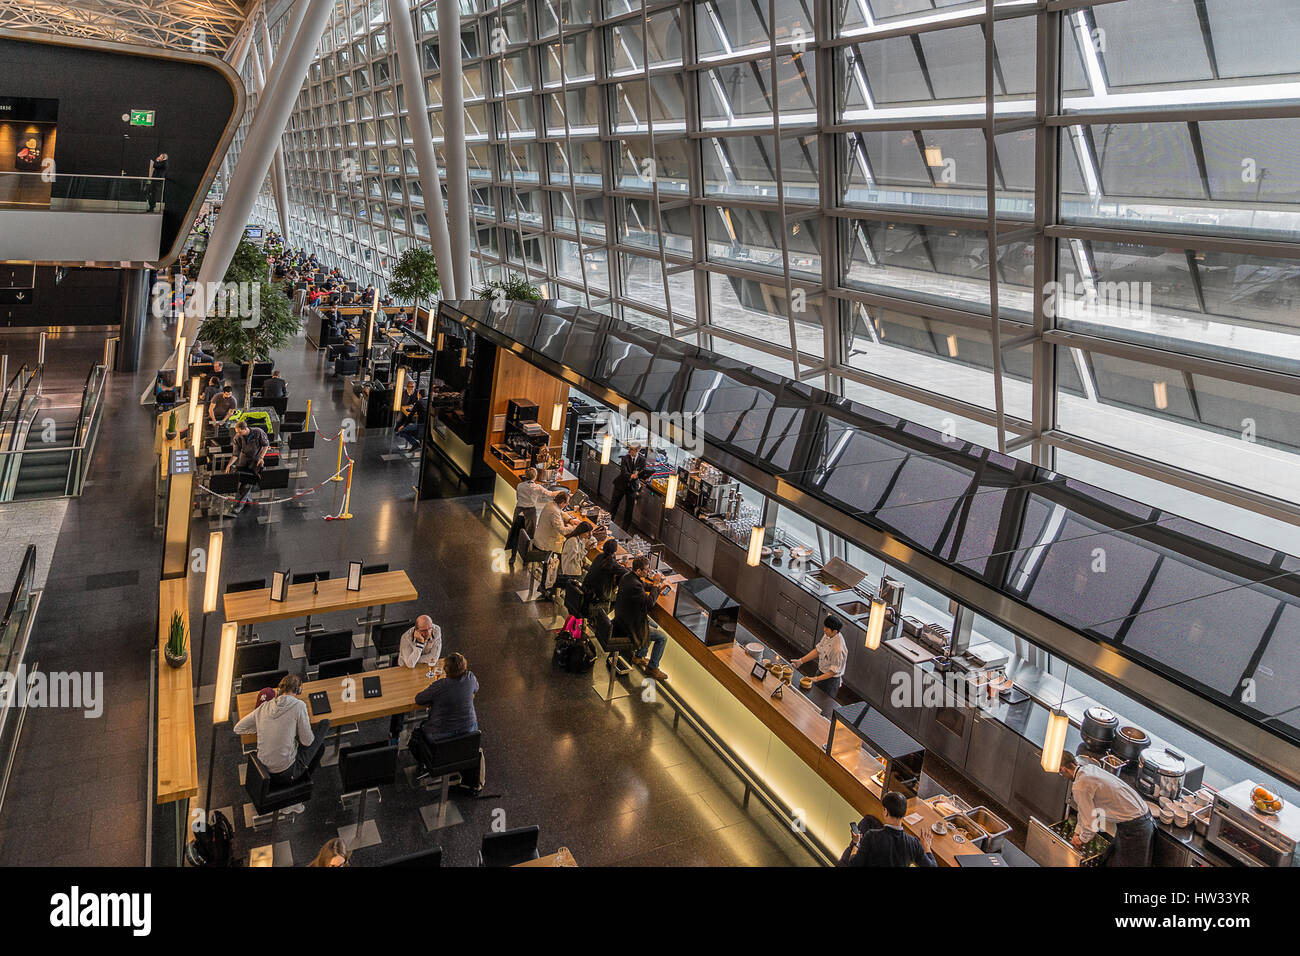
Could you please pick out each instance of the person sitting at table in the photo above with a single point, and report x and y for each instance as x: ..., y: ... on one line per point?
x: 421, y: 645
x: 222, y: 406
x: 832, y: 655
x: 408, y: 399
x: 601, y: 582
x: 286, y: 745
x: 451, y: 708
x: 275, y: 388
x: 415, y: 412
x: 250, y: 447
x: 867, y: 824
x: 163, y: 394
x: 212, y: 389
x: 574, y: 553
x: 638, y: 592
x: 199, y: 357
x: 891, y: 845
x: 333, y: 853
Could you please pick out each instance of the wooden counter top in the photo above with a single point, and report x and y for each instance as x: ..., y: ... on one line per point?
x: 399, y: 686
x: 389, y: 587
x: 799, y: 724
x: 178, y: 769
x: 567, y: 478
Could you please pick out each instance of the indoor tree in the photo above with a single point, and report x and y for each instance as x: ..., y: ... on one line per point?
x: 415, y: 279
x: 241, y: 338
x: 513, y: 288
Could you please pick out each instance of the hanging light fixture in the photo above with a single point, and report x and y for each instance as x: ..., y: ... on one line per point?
x: 464, y: 355
x: 755, y: 546
x: 606, y: 445
x: 397, y: 389
x: 212, y: 576
x: 875, y: 624
x: 933, y: 156
x: 1054, y: 739
x: 1161, y: 392
x: 438, y: 347
x: 952, y: 346
x: 428, y: 329
x: 670, y: 495
x: 180, y: 361
x: 225, y: 673
x: 557, y: 417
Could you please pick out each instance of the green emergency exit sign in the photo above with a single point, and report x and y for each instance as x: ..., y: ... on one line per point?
x: 142, y: 117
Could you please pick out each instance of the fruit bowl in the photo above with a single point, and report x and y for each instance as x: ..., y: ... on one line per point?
x: 1266, y: 802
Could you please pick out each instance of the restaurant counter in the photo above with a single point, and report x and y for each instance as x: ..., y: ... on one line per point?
x: 994, y: 743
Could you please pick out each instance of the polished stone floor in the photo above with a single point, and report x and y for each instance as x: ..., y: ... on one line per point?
x: 613, y: 782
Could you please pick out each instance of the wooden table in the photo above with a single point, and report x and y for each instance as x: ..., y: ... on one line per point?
x: 251, y: 607
x: 561, y: 857
x: 178, y: 771
x: 399, y: 685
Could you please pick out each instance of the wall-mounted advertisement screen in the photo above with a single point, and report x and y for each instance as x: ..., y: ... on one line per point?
x: 28, y: 128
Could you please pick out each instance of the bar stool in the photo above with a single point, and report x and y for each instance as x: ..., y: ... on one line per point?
x: 445, y: 762
x: 362, y: 768
x: 270, y: 798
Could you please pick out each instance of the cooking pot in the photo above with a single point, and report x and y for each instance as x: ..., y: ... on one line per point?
x: 1161, y: 773
x: 1099, y: 726
x: 1129, y: 743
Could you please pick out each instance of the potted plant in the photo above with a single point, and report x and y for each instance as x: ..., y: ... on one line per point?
x: 175, y: 650
x: 415, y: 279
x: 513, y: 288
x: 171, y: 426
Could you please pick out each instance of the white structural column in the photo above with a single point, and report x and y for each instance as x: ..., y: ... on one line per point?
x: 259, y: 80
x: 453, y: 145
x: 279, y: 177
x: 417, y: 116
x: 255, y: 158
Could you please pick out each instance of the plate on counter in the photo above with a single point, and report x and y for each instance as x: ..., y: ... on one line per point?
x: 754, y: 647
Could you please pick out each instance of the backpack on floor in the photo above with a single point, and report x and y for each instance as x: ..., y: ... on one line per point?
x: 211, y: 846
x: 574, y: 655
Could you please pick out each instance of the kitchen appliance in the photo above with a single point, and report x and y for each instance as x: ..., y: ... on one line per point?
x: 1129, y: 743
x: 869, y: 744
x: 1251, y: 837
x: 1161, y: 773
x: 1099, y: 726
x: 912, y: 627
x: 707, y: 612
x: 520, y: 410
x: 1049, y: 845
x: 934, y: 637
x: 891, y: 592
x: 836, y: 575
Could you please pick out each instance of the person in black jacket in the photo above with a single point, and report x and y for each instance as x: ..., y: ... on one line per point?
x: 637, y: 594
x: 275, y: 387
x: 867, y: 824
x: 891, y: 845
x: 601, y: 582
x: 632, y: 469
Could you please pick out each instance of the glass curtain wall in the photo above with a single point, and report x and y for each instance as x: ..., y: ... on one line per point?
x: 1100, y: 273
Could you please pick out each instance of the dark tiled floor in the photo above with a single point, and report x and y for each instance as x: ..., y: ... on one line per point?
x: 78, y: 791
x: 613, y: 782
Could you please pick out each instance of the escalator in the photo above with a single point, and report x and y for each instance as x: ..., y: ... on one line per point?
x: 44, y: 467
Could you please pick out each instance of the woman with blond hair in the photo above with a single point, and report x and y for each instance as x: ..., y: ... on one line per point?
x: 333, y: 853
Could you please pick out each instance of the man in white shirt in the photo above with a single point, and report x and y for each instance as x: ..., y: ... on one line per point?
x: 832, y: 656
x: 1107, y: 802
x: 421, y: 644
x: 530, y: 496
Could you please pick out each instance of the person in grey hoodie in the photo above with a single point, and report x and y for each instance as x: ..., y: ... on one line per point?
x: 286, y: 745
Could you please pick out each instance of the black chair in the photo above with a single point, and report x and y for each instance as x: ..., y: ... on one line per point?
x: 445, y: 762
x: 234, y: 587
x: 510, y: 847
x: 430, y: 857
x: 225, y: 485
x: 362, y: 768
x: 340, y: 668
x: 256, y: 658
x: 298, y: 418
x: 306, y: 577
x: 370, y: 611
x: 347, y: 365
x: 327, y: 646
x: 299, y: 442
x: 271, y: 798
x: 615, y: 641
x: 279, y: 404
x: 272, y: 480
x: 387, y: 638
x: 262, y: 679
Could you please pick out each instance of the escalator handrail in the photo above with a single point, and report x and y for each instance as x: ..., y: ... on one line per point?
x: 4, y: 401
x: 26, y: 577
